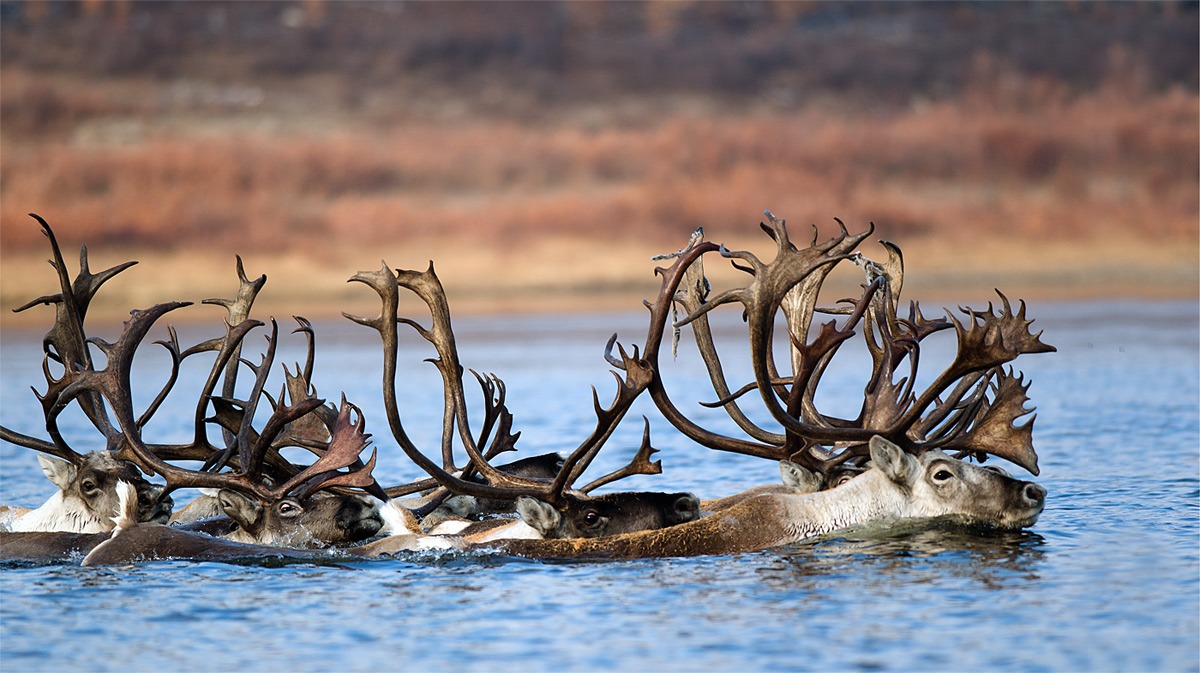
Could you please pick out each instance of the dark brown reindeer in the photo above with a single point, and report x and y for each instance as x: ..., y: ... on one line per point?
x: 915, y: 440
x: 289, y: 512
x: 564, y: 512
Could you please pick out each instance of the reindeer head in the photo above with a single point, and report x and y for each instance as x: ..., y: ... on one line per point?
x: 607, y: 514
x: 87, y: 499
x: 936, y: 485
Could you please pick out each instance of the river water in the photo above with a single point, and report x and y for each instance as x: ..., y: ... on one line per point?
x: 1108, y: 579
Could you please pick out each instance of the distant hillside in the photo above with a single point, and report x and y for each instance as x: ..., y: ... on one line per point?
x: 529, y: 146
x: 789, y: 50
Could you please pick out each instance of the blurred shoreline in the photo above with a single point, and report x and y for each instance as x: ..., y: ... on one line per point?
x: 540, y: 153
x: 586, y: 276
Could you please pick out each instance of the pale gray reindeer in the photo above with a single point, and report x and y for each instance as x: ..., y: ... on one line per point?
x: 899, y: 486
x: 86, y: 500
x: 913, y: 439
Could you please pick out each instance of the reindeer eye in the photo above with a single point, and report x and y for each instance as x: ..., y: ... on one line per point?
x: 591, y: 517
x: 289, y: 508
x: 89, y: 486
x: 943, y: 475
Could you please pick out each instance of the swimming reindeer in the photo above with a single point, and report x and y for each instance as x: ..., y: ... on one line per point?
x: 914, y: 441
x: 903, y: 456
x: 548, y: 508
x: 271, y: 500
x: 86, y: 500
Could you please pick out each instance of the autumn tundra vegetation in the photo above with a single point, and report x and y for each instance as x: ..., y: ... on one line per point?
x: 1053, y: 148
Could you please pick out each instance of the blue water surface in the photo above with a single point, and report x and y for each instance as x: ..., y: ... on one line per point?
x: 1108, y: 579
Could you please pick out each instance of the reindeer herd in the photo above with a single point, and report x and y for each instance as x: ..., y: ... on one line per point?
x: 913, y: 450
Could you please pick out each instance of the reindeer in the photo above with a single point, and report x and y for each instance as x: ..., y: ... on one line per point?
x: 566, y: 512
x: 898, y: 486
x: 910, y: 446
x: 133, y: 541
x: 913, y: 439
x: 265, y: 513
x: 87, y: 500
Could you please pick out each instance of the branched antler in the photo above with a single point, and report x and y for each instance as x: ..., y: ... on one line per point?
x: 497, y: 484
x: 98, y: 391
x: 972, y: 407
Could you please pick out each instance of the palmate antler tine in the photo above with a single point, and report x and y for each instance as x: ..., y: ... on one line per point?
x: 312, y: 429
x: 641, y: 463
x: 995, y: 430
x: 256, y: 448
x: 347, y: 443
x: 989, y: 340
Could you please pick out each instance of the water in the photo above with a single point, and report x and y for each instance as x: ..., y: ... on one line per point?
x: 1108, y: 579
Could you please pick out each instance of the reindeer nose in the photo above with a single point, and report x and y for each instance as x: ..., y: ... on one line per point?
x: 687, y: 508
x: 1034, y: 493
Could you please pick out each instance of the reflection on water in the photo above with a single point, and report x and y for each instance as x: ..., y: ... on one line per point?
x: 990, y: 559
x: 1108, y: 579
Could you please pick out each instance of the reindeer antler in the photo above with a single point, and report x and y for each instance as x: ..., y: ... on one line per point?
x: 497, y: 484
x: 972, y: 407
x: 257, y: 451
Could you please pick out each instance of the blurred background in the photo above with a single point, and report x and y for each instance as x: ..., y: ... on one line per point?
x: 540, y: 152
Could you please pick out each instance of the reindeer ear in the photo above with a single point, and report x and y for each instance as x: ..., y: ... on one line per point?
x: 242, y: 509
x: 538, y: 515
x: 798, y: 477
x: 57, y: 470
x: 893, y: 461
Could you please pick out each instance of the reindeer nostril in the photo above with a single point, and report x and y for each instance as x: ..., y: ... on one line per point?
x: 687, y: 507
x: 1035, y: 493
